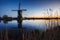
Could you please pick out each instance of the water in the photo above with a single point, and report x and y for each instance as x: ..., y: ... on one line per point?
x: 42, y: 25
x: 9, y: 30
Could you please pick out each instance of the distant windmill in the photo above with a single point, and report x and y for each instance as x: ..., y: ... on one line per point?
x: 19, y: 18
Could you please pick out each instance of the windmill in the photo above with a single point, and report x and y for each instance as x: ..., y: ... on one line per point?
x: 19, y: 18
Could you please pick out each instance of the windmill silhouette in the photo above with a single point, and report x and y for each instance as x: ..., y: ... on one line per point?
x: 19, y: 18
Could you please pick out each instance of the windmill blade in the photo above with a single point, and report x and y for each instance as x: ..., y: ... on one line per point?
x: 19, y: 5
x: 24, y: 9
x: 14, y: 10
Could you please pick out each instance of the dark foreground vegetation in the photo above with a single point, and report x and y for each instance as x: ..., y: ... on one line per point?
x: 51, y: 34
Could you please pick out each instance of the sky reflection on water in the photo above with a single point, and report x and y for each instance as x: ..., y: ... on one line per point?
x: 30, y: 24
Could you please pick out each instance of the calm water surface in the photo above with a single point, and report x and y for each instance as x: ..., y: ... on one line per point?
x: 31, y: 24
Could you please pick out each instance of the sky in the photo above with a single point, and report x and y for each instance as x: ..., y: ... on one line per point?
x: 35, y: 8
